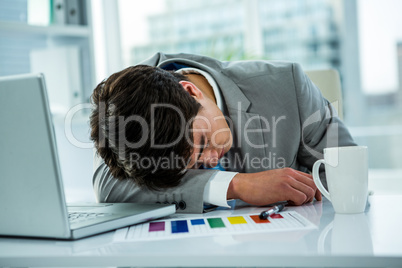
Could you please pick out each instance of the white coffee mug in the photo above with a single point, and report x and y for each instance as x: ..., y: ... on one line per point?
x: 347, y: 178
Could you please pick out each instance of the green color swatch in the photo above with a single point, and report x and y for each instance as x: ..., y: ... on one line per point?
x: 216, y: 223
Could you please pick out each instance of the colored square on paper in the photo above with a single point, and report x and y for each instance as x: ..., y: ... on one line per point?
x: 157, y: 226
x: 256, y: 219
x: 179, y: 226
x: 198, y: 222
x: 216, y: 223
x: 237, y: 220
x: 276, y: 216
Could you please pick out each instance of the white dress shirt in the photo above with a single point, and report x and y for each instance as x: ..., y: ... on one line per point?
x: 216, y: 189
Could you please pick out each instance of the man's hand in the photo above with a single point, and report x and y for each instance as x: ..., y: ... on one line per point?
x: 272, y: 186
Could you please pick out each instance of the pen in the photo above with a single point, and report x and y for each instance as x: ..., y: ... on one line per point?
x: 265, y: 214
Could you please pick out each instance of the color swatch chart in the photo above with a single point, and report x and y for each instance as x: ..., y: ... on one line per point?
x: 205, y: 226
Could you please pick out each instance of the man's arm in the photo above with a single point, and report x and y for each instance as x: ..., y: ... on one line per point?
x: 188, y: 195
x: 272, y: 186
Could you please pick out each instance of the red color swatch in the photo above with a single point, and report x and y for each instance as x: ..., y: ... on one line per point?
x: 256, y: 219
x: 276, y: 216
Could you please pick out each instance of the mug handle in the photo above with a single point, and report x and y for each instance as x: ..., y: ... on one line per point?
x: 317, y: 181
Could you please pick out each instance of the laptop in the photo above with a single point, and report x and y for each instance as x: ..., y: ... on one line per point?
x: 32, y: 201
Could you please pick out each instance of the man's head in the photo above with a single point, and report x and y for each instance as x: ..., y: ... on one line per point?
x: 145, y: 126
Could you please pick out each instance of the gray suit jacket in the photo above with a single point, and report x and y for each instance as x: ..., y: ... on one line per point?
x: 278, y: 118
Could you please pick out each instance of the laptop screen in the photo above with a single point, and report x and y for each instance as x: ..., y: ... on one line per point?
x: 31, y: 190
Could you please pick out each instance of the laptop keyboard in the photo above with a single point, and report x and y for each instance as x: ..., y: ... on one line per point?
x: 76, y: 217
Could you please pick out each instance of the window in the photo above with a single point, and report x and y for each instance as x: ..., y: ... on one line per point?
x: 361, y: 39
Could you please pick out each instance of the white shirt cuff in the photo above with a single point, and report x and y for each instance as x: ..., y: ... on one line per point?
x: 216, y: 189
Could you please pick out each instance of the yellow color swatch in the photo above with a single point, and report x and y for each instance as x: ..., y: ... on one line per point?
x: 237, y: 220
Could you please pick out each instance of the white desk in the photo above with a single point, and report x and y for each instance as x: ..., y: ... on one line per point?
x: 373, y: 239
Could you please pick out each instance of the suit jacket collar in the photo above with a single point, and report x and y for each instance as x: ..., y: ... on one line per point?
x: 233, y: 96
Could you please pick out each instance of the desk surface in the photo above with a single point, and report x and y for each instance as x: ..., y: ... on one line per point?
x: 372, y: 239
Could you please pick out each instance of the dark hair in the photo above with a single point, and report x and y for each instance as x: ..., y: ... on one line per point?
x: 122, y: 121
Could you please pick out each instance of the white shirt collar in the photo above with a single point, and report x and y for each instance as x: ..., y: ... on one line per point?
x: 210, y: 80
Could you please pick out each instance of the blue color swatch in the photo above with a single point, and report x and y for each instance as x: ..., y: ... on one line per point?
x: 197, y: 222
x: 179, y: 227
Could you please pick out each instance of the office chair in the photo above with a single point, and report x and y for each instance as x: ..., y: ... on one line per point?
x: 328, y: 81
